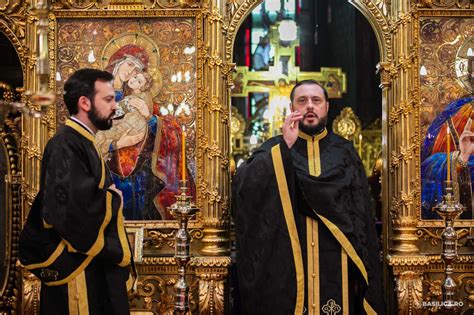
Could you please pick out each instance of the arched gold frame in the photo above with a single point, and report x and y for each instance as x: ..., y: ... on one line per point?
x: 9, y: 145
x: 13, y: 27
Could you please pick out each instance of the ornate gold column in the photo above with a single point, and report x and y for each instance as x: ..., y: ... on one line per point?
x: 212, y: 267
x: 215, y: 116
x: 36, y: 128
x: 37, y: 124
x: 402, y: 134
x: 403, y: 159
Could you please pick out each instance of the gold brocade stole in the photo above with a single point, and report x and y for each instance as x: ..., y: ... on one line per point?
x: 312, y: 239
x: 77, y: 295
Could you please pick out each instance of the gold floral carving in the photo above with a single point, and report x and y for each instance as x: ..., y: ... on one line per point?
x: 409, y: 292
x: 433, y: 293
x: 404, y: 108
x: 385, y: 78
x: 31, y: 294
x: 14, y: 16
x: 378, y: 13
x: 211, y: 293
x: 127, y: 5
x: 237, y: 11
x: 445, y: 4
x: 405, y: 154
x: 158, y: 238
x: 434, y: 236
x: 347, y: 124
x: 403, y: 19
x: 221, y: 262
x: 400, y: 205
x: 12, y: 209
x: 413, y: 260
x: 214, y: 16
x: 462, y: 259
x: 196, y: 261
x: 169, y: 4
x: 469, y: 289
x: 231, y: 7
x: 156, y: 294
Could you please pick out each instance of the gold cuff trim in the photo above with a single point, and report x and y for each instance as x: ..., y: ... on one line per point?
x: 290, y: 222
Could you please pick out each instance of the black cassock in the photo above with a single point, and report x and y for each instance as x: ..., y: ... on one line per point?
x: 74, y: 239
x: 305, y: 233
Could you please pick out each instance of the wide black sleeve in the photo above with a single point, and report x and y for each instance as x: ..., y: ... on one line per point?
x: 265, y: 264
x: 73, y: 201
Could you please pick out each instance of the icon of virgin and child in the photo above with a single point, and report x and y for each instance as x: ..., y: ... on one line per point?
x: 142, y: 148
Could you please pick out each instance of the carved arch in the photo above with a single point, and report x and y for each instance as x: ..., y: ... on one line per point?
x: 13, y: 26
x: 377, y: 14
x: 375, y: 11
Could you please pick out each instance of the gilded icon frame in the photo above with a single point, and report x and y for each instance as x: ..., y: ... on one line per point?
x: 141, y: 228
x: 441, y: 80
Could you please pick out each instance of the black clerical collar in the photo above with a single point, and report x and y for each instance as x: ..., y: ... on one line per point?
x: 318, y: 136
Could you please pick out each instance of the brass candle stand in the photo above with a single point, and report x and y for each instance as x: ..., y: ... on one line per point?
x: 449, y: 209
x: 182, y: 210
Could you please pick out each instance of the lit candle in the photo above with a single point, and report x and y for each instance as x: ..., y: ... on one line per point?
x: 448, y: 151
x: 360, y: 145
x: 183, y: 154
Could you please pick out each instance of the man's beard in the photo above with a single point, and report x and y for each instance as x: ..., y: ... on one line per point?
x: 99, y: 122
x: 313, y: 130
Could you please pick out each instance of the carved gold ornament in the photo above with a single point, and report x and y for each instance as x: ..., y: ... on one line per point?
x: 347, y: 124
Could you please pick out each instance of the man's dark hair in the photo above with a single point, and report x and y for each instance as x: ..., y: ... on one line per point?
x: 82, y: 83
x: 308, y: 82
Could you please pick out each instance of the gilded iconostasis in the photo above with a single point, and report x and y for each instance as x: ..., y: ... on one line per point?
x: 214, y: 77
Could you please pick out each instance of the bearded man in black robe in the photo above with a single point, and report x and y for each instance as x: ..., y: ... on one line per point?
x: 305, y: 233
x: 74, y: 239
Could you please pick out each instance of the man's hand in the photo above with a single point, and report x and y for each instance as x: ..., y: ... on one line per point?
x: 290, y: 128
x: 127, y: 140
x: 466, y: 142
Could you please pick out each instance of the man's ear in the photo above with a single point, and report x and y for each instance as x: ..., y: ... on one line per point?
x: 84, y: 104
